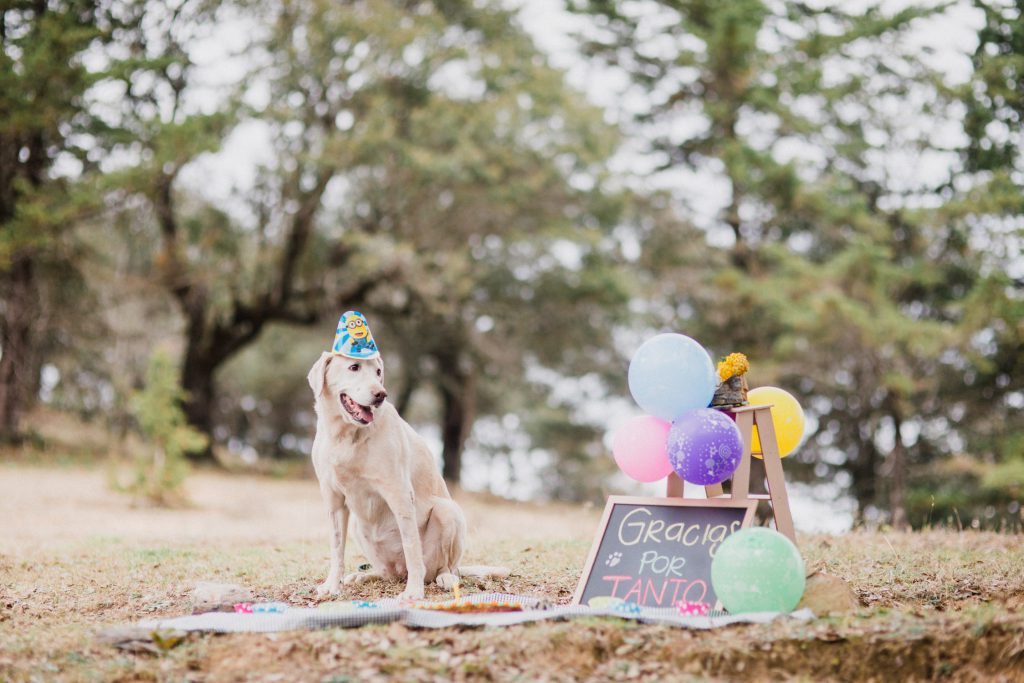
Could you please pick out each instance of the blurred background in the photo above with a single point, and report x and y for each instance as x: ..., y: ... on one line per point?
x: 517, y: 194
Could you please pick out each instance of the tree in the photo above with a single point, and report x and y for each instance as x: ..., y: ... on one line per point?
x: 995, y: 94
x: 473, y: 188
x: 400, y: 143
x: 229, y: 279
x: 983, y: 483
x: 44, y: 124
x: 839, y: 279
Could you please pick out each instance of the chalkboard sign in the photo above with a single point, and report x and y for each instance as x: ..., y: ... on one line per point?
x: 656, y: 551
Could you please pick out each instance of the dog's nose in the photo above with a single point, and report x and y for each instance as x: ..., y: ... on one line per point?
x: 378, y: 397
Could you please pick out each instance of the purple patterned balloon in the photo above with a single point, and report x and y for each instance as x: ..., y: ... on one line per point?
x: 704, y: 446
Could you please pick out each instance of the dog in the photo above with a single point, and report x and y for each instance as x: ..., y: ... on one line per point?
x: 371, y: 465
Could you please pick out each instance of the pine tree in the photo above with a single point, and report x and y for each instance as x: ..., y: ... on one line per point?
x: 44, y: 124
x: 841, y: 280
x: 984, y: 483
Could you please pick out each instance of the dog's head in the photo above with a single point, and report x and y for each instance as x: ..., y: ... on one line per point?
x: 350, y: 387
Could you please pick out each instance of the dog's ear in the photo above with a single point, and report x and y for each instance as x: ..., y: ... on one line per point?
x: 318, y: 373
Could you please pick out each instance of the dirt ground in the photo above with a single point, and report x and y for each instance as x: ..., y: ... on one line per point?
x: 75, y: 558
x: 46, y: 507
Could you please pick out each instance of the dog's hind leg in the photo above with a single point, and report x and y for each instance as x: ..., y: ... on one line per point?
x: 443, y: 541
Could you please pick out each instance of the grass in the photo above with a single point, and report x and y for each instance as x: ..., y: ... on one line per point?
x: 75, y: 558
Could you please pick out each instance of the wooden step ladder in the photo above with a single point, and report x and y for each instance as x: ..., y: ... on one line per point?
x: 747, y: 417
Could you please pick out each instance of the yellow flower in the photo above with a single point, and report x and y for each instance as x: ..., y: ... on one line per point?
x: 734, y: 364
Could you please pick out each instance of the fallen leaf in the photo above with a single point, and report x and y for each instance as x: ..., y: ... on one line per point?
x: 167, y: 641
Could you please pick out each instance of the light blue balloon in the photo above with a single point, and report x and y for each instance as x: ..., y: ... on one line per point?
x: 671, y: 374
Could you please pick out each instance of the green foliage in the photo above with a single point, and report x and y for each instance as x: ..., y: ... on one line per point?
x: 161, y: 468
x: 995, y: 95
x: 45, y: 120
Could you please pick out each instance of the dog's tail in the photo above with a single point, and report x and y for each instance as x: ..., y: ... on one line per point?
x: 483, y: 571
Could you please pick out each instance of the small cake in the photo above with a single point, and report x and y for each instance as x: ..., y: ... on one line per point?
x: 467, y: 607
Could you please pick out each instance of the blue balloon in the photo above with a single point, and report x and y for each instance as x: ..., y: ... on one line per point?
x: 671, y: 374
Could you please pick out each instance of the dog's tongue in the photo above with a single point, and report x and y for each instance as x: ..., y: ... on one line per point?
x: 357, y: 410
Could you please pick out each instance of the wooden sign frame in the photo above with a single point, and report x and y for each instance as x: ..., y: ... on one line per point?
x: 747, y: 417
x: 727, y: 502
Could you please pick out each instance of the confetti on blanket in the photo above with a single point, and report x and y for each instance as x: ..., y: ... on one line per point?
x: 493, y: 609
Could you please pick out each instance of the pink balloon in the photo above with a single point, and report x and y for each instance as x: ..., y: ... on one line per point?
x: 640, y: 448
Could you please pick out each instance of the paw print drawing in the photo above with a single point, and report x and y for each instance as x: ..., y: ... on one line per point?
x: 613, y: 559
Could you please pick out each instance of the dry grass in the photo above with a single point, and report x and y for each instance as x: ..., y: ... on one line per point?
x: 75, y: 557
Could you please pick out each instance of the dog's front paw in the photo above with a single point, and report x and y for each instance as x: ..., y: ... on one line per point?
x: 412, y: 593
x: 328, y: 588
x: 359, y: 578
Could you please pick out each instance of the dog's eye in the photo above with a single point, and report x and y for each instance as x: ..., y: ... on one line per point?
x: 379, y: 373
x: 354, y: 367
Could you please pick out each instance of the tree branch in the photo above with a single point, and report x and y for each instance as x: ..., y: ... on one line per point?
x: 170, y: 260
x: 298, y: 237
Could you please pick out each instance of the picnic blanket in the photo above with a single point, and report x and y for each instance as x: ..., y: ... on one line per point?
x: 354, y: 614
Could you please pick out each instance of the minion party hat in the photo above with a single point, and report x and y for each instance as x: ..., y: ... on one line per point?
x: 353, y: 338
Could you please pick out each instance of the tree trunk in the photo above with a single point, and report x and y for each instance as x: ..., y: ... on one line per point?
x: 864, y: 470
x: 209, y: 343
x: 197, y: 381
x: 410, y: 381
x: 208, y: 346
x: 17, y: 344
x: 458, y: 402
x: 897, y: 471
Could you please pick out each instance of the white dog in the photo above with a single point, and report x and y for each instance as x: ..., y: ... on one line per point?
x: 371, y: 463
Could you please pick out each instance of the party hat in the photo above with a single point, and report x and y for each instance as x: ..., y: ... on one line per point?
x: 353, y: 338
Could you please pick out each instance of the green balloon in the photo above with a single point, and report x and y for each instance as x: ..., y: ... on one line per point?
x: 758, y: 570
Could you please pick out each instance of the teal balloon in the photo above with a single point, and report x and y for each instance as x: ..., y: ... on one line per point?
x: 670, y: 375
x: 758, y: 570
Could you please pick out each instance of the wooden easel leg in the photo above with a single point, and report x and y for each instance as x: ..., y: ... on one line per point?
x: 773, y: 473
x: 741, y: 479
x: 674, y: 486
